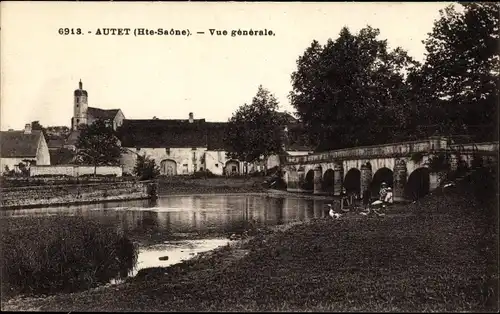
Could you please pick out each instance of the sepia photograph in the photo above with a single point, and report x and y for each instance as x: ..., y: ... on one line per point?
x: 249, y: 156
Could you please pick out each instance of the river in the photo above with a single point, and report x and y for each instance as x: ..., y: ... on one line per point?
x: 211, y: 218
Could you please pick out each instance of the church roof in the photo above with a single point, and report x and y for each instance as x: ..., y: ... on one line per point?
x: 172, y: 134
x: 103, y: 114
x: 19, y: 144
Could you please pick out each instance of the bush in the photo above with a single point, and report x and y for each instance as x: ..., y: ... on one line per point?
x: 52, y: 176
x: 61, y: 254
x: 204, y: 174
x: 439, y: 163
x: 146, y: 168
x: 111, y: 175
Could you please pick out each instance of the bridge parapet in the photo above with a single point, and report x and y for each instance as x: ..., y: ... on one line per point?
x: 386, y: 150
x: 393, y: 150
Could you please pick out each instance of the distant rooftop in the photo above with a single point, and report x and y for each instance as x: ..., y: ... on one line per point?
x: 19, y: 144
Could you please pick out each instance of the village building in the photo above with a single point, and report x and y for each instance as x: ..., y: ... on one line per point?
x: 178, y: 146
x: 185, y: 146
x: 23, y: 148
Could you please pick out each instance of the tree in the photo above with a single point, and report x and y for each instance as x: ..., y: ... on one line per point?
x: 97, y: 144
x: 459, y: 81
x: 146, y: 168
x: 255, y: 131
x: 62, y: 156
x: 351, y: 82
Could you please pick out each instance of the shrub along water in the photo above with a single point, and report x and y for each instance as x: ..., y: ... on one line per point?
x: 61, y: 254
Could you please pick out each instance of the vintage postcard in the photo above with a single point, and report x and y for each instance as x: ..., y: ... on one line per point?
x: 249, y: 156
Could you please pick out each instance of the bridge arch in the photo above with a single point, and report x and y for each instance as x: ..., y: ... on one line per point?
x: 352, y: 181
x: 418, y: 184
x: 328, y: 183
x: 308, y: 183
x: 168, y: 167
x: 383, y: 174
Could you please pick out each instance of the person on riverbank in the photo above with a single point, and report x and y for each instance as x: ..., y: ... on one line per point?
x: 383, y: 191
x: 344, y: 201
x: 367, y: 195
x: 389, y: 198
x: 332, y: 213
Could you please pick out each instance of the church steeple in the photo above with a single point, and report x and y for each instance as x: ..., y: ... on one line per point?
x: 80, y: 106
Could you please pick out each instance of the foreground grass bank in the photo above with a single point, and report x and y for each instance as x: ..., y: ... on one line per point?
x: 444, y: 257
x: 42, y: 255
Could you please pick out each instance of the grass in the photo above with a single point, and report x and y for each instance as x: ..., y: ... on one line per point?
x: 42, y: 255
x: 189, y: 185
x: 444, y: 257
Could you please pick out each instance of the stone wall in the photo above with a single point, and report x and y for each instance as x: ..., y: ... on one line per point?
x: 75, y: 171
x: 215, y: 161
x: 37, y: 196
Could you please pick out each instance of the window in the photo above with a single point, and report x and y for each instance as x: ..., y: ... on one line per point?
x: 217, y: 165
x: 234, y: 168
x: 77, y: 120
x: 201, y: 168
x: 138, y: 148
x: 167, y: 150
x: 194, y: 155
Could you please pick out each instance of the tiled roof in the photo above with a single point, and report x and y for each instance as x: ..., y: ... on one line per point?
x: 19, y: 144
x: 182, y: 134
x: 103, y: 114
x: 55, y: 143
x: 172, y: 134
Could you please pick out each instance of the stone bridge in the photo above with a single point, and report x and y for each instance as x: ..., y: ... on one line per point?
x: 404, y: 166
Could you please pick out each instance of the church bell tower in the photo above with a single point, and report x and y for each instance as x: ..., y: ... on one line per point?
x: 79, y: 107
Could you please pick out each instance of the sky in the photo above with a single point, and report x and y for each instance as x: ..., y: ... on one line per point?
x: 170, y: 76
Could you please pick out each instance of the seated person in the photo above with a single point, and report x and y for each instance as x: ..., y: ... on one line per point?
x: 389, y: 198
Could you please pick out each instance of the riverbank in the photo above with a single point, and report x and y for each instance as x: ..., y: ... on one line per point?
x: 441, y: 256
x: 73, y: 194
x: 184, y: 185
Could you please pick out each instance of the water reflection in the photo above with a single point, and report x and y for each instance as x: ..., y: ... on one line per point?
x: 208, y: 215
x: 189, y: 214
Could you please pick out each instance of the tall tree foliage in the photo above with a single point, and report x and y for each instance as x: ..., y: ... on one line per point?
x: 352, y: 91
x: 98, y: 145
x: 458, y: 84
x: 255, y: 130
